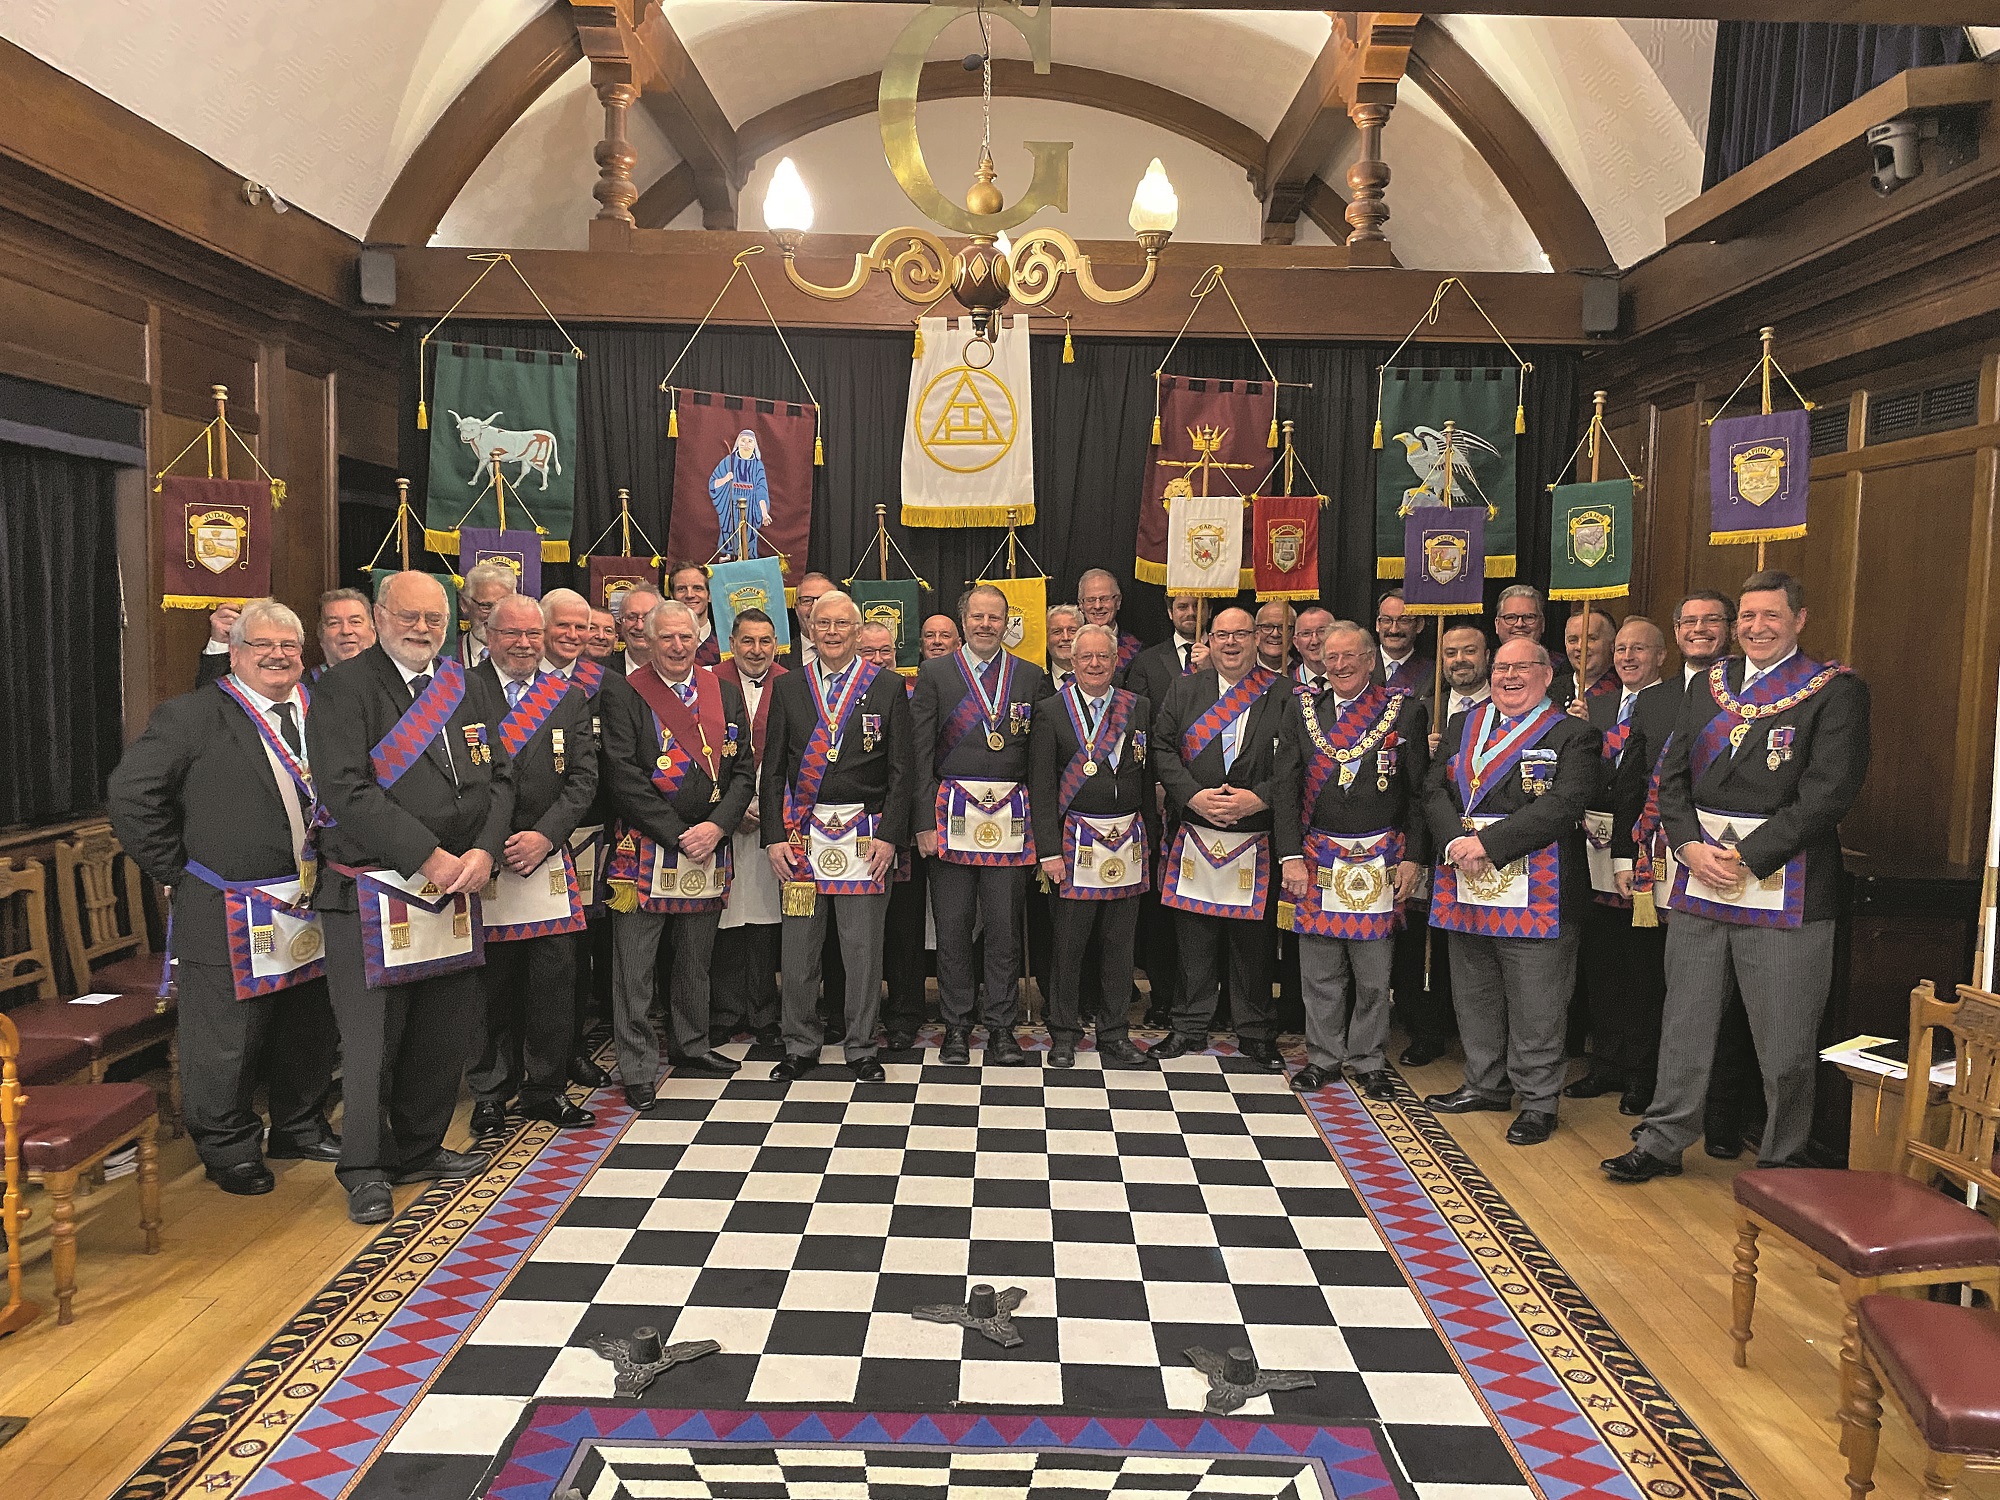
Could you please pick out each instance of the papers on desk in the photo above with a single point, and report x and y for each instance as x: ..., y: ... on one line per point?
x: 1856, y: 1053
x: 99, y: 998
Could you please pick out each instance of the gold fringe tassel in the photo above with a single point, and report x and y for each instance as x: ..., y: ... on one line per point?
x: 624, y: 896
x: 1147, y: 571
x: 1389, y: 567
x: 798, y: 897
x: 1775, y: 534
x: 1644, y: 912
x: 673, y: 413
x: 1156, y: 429
x: 423, y: 416
x: 1618, y: 591
x: 1378, y: 432
x: 278, y: 493
x: 819, y: 452
x: 917, y: 351
x: 1288, y: 915
x: 1520, y: 418
x: 555, y: 550
x: 1496, y: 567
x: 1069, y: 347
x: 197, y: 601
x: 967, y: 515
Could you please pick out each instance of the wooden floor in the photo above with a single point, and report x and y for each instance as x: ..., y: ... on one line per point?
x: 156, y: 1335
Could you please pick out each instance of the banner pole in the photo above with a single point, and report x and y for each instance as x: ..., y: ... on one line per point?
x: 221, y: 394
x: 1769, y: 336
x: 1013, y: 515
x: 882, y: 541
x: 1437, y: 685
x: 1285, y: 621
x: 624, y: 523
x: 403, y: 520
x: 1597, y: 400
x: 499, y: 495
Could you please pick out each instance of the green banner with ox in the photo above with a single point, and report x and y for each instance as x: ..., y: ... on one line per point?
x: 1590, y: 540
x: 509, y: 413
x: 1411, y: 471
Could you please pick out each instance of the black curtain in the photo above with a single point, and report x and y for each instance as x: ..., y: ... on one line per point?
x: 1092, y: 426
x: 1773, y: 79
x: 60, y: 715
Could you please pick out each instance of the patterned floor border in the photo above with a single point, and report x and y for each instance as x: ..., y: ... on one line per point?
x: 309, y: 1411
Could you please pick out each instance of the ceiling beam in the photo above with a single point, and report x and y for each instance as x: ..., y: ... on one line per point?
x: 1357, y: 70
x: 473, y: 124
x: 1898, y: 12
x: 662, y: 203
x: 1507, y: 143
x: 679, y: 100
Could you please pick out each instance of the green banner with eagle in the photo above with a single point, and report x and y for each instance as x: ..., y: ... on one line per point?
x: 1426, y: 414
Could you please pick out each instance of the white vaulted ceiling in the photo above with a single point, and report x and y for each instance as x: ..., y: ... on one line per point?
x: 324, y: 103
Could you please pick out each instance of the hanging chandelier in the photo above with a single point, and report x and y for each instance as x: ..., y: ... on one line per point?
x: 988, y: 273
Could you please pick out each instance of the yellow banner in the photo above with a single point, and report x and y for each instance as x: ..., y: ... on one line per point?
x: 1027, y: 617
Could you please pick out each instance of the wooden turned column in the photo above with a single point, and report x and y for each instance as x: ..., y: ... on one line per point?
x: 615, y: 189
x: 1369, y: 176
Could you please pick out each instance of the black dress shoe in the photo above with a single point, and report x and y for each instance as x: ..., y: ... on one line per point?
x: 1003, y: 1048
x: 770, y: 1036
x: 1062, y: 1053
x: 1723, y: 1147
x: 489, y: 1116
x: 1593, y: 1085
x: 1639, y: 1166
x: 957, y: 1049
x: 369, y: 1203
x: 1635, y: 1101
x: 793, y: 1067
x: 640, y: 1097
x: 1378, y: 1083
x: 246, y: 1179
x: 1175, y: 1044
x: 1531, y: 1127
x: 901, y: 1041
x: 560, y: 1113
x: 1464, y: 1100
x: 582, y: 1070
x: 1264, y: 1054
x: 325, y: 1148
x: 867, y: 1070
x: 1157, y: 1018
x: 1124, y: 1054
x: 1424, y: 1050
x: 708, y: 1065
x: 442, y: 1165
x: 1311, y: 1077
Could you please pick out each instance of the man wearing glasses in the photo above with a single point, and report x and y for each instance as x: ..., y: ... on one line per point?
x: 1400, y: 669
x: 1099, y: 597
x: 1518, y: 616
x: 486, y: 584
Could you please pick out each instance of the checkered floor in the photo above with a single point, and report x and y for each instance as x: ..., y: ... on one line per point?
x: 1142, y: 1212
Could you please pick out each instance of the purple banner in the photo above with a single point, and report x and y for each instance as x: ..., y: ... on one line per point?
x: 519, y: 550
x: 1757, y: 477
x: 1444, y: 560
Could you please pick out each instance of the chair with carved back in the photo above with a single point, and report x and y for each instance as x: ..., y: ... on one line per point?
x: 54, y: 1134
x: 27, y: 962
x: 1876, y: 1232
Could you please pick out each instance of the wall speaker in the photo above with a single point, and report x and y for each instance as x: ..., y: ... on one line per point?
x: 378, y: 279
x: 1600, y: 305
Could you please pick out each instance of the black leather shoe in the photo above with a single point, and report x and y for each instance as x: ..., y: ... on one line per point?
x: 1377, y: 1084
x: 867, y: 1070
x: 1723, y: 1147
x: 582, y: 1070
x: 1157, y: 1018
x: 1635, y: 1101
x: 1312, y: 1076
x: 1639, y: 1166
x: 489, y: 1116
x: 443, y: 1165
x: 1264, y: 1054
x: 793, y: 1067
x: 1062, y: 1053
x: 370, y: 1203
x: 326, y: 1148
x: 1593, y: 1085
x: 640, y: 1097
x: 901, y: 1041
x: 770, y: 1036
x: 1424, y: 1050
x: 1124, y: 1054
x: 1174, y: 1044
x: 560, y: 1113
x: 957, y: 1049
x: 246, y: 1179
x: 1003, y: 1048
x: 1531, y: 1127
x: 708, y: 1065
x: 1464, y: 1100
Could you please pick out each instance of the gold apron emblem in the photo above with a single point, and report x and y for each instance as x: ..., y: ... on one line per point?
x: 305, y: 945
x: 693, y: 883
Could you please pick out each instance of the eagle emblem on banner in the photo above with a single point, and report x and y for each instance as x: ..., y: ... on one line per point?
x: 1444, y: 555
x: 1204, y: 543
x: 1759, y: 470
x: 1590, y: 536
x: 216, y: 538
x: 1287, y: 545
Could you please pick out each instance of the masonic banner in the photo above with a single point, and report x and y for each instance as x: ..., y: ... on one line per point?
x: 1211, y: 438
x: 968, y: 451
x: 217, y: 541
x: 1027, y: 617
x: 1284, y: 545
x: 743, y: 474
x: 1757, y: 477
x: 519, y: 550
x: 513, y: 406
x: 1410, y: 469
x: 754, y: 583
x: 1205, y: 545
x: 612, y: 578
x: 899, y: 604
x: 1444, y: 560
x: 1590, y: 540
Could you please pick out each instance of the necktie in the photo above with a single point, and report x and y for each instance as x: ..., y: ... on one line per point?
x: 1090, y: 716
x: 685, y: 692
x: 417, y: 685
x: 1318, y: 684
x: 514, y: 690
x: 1187, y: 657
x: 289, y: 728
x: 1625, y: 707
x: 988, y: 671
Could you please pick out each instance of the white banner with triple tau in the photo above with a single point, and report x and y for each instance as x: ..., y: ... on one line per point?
x: 968, y: 451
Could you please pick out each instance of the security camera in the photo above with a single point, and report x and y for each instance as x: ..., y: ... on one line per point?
x: 1896, y: 158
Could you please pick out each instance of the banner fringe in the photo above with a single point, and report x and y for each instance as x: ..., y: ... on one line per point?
x: 967, y: 515
x: 555, y: 550
x: 1497, y: 567
x: 1390, y: 567
x: 1773, y: 534
x: 199, y: 601
x: 1443, y: 609
x: 443, y: 542
x: 1618, y: 591
x: 1147, y: 571
x: 1289, y: 594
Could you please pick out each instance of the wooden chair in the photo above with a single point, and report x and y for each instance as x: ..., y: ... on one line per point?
x: 1943, y: 1363
x: 55, y: 1134
x: 1872, y: 1232
x: 26, y: 959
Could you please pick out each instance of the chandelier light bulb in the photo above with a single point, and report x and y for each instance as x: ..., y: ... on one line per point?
x: 788, y: 206
x: 1154, y: 205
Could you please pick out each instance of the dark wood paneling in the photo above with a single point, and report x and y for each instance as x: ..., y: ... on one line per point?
x: 367, y: 416
x: 302, y: 560
x: 195, y: 357
x: 75, y: 334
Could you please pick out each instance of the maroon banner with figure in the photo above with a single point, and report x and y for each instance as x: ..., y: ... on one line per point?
x: 743, y: 471
x: 1213, y: 437
x: 215, y: 541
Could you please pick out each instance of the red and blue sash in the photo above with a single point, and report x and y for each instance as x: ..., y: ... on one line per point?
x: 1474, y: 781
x: 1605, y: 684
x: 1326, y: 851
x: 975, y: 707
x: 1649, y: 866
x: 1404, y: 680
x: 1231, y: 706
x: 1110, y: 732
x: 1369, y: 722
x: 588, y: 675
x: 423, y: 721
x: 315, y: 815
x: 527, y: 716
x: 1615, y: 740
x: 829, y: 729
x: 1129, y: 647
x: 1775, y: 692
x: 683, y: 733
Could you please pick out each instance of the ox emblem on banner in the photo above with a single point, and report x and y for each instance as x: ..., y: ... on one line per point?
x: 749, y: 596
x: 216, y: 538
x: 1444, y: 555
x: 1204, y: 545
x: 1288, y: 542
x: 1759, y: 469
x: 887, y: 612
x: 534, y: 451
x: 1590, y: 536
x: 966, y: 420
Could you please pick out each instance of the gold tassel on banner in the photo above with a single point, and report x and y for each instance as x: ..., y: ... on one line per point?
x: 1272, y: 441
x: 423, y: 417
x: 1520, y: 418
x: 1069, y: 345
x: 918, y: 351
x: 798, y: 897
x: 1378, y: 432
x: 1645, y: 913
x: 1156, y: 429
x: 624, y: 896
x: 819, y: 451
x: 673, y: 413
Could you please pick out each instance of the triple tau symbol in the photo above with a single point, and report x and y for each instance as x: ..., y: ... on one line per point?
x: 966, y: 420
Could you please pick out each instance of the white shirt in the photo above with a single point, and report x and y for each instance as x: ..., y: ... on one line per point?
x: 513, y: 688
x: 1182, y: 645
x: 1392, y: 664
x: 1688, y: 674
x: 430, y: 670
x: 973, y: 661
x: 633, y: 662
x: 288, y: 791
x: 1458, y: 702
x: 565, y: 672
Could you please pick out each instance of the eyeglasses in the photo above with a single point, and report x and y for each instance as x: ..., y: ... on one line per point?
x: 1713, y: 622
x: 1231, y: 635
x: 515, y: 633
x: 1270, y: 630
x: 1513, y: 669
x: 1517, y: 619
x: 280, y: 648
x: 1387, y: 619
x: 407, y: 618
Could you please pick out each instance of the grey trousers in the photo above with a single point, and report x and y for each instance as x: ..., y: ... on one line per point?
x: 284, y: 1040
x: 635, y: 943
x: 960, y: 895
x: 1512, y: 999
x: 857, y: 921
x: 1784, y: 976
x: 1335, y: 1032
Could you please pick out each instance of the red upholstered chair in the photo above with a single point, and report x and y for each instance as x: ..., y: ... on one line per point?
x: 1943, y: 1363
x: 56, y: 1133
x: 1873, y: 1232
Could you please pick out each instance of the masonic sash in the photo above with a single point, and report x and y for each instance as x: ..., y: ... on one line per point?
x: 588, y: 675
x: 976, y: 708
x: 411, y: 930
x: 1129, y: 647
x: 274, y: 742
x: 1094, y: 751
x: 1775, y: 900
x: 823, y: 744
x: 275, y: 938
x: 586, y: 853
x: 544, y: 902
x: 1368, y: 727
x: 1654, y: 864
x: 1784, y: 688
x: 1218, y: 873
x: 1231, y: 706
x: 1403, y: 680
x: 527, y: 716
x: 1355, y: 881
x: 984, y: 823
x: 1475, y: 769
x: 703, y: 733
x: 423, y: 721
x: 1105, y: 857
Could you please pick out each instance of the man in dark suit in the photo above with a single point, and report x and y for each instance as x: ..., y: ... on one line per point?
x: 346, y: 629
x: 971, y: 716
x: 412, y: 777
x: 1506, y: 793
x: 1520, y: 615
x: 677, y: 753
x: 529, y: 1016
x: 1352, y: 846
x: 1214, y: 747
x: 1590, y: 665
x: 1064, y: 620
x: 217, y: 793
x: 1769, y: 755
x: 1099, y: 597
x: 1088, y: 791
x: 744, y: 982
x: 837, y: 788
x: 1399, y: 666
x: 486, y: 584
x: 688, y: 583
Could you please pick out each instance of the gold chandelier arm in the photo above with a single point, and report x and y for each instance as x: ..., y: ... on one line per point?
x: 918, y: 272
x: 1042, y: 256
